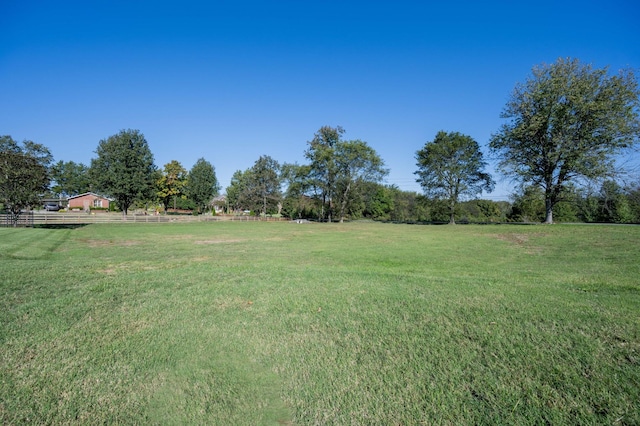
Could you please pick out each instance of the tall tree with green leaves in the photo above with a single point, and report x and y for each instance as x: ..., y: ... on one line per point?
x: 264, y: 185
x: 70, y: 178
x: 257, y: 188
x: 24, y: 175
x: 320, y: 153
x: 124, y: 168
x: 567, y: 121
x: 356, y: 164
x: 236, y: 189
x: 171, y: 183
x: 202, y: 184
x: 450, y: 167
x: 297, y: 181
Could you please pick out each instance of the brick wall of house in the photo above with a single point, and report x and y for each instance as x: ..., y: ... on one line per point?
x: 88, y: 201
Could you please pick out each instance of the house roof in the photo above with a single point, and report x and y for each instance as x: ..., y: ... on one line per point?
x: 89, y: 193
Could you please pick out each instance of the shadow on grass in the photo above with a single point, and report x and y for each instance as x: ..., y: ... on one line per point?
x: 61, y: 226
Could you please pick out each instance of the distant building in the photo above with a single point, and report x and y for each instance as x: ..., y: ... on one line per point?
x: 88, y: 201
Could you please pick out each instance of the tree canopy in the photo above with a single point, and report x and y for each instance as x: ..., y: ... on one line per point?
x: 171, y: 183
x: 202, y: 184
x: 338, y: 168
x: 70, y: 178
x: 356, y: 164
x: 24, y: 174
x: 566, y: 122
x: 451, y: 166
x: 322, y: 167
x: 124, y: 168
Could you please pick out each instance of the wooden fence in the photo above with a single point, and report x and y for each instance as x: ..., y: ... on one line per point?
x: 70, y: 219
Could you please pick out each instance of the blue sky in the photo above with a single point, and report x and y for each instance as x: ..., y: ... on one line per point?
x: 230, y: 81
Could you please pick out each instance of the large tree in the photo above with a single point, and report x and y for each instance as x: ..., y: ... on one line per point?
x: 356, y: 164
x: 202, y: 184
x: 70, y: 178
x: 296, y: 178
x: 450, y: 167
x: 171, y: 183
x: 322, y: 170
x: 263, y: 192
x: 236, y: 189
x: 257, y: 188
x: 24, y: 175
x: 124, y: 168
x: 565, y: 122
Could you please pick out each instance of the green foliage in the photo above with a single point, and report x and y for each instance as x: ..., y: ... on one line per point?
x: 322, y: 167
x: 297, y: 204
x: 70, y: 178
x: 237, y: 187
x: 171, y: 184
x: 338, y: 171
x: 633, y: 197
x: 484, y: 211
x: 566, y: 122
x: 611, y: 204
x: 202, y: 185
x: 450, y: 167
x: 260, y: 191
x: 356, y: 165
x: 124, y: 168
x: 24, y: 175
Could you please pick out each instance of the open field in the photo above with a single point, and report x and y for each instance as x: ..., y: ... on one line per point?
x: 280, y: 323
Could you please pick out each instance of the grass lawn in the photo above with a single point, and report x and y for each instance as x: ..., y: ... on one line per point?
x: 280, y: 323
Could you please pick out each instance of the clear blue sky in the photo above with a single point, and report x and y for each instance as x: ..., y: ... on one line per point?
x: 232, y: 80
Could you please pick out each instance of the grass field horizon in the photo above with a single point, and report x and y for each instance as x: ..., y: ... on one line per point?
x: 356, y: 323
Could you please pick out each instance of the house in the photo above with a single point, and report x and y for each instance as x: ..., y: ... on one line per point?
x: 219, y: 204
x: 88, y: 201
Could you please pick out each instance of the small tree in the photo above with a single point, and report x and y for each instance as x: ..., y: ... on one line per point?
x: 124, y: 168
x: 566, y: 122
x: 450, y: 167
x: 24, y: 175
x: 202, y: 184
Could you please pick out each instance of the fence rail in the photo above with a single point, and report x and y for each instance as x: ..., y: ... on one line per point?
x: 69, y: 219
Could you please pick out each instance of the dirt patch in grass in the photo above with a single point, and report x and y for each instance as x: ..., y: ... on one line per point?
x: 520, y: 240
x: 108, y: 243
x: 217, y: 241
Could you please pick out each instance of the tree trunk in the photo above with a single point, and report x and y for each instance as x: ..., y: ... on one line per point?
x: 452, y: 211
x: 549, y: 211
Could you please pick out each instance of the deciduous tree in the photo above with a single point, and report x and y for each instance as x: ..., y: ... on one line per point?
x: 322, y: 167
x: 124, y: 168
x: 171, y: 183
x: 24, y: 175
x: 202, y: 184
x: 70, y: 178
x: 356, y: 164
x: 565, y: 122
x: 264, y: 185
x: 450, y: 167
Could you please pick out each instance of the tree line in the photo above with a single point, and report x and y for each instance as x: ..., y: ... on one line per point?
x: 564, y: 126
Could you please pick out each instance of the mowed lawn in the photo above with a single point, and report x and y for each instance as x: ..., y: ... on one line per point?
x: 282, y: 323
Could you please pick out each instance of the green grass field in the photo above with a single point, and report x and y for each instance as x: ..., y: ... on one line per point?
x: 280, y: 323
